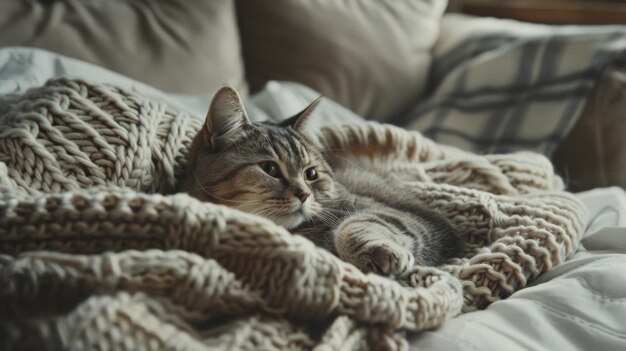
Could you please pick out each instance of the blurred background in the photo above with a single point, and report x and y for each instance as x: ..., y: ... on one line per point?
x: 547, y: 11
x: 487, y: 76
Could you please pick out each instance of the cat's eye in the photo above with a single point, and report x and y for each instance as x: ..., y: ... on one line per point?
x: 311, y: 174
x: 270, y: 168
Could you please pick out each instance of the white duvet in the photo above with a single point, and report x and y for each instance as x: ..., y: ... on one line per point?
x: 580, y: 304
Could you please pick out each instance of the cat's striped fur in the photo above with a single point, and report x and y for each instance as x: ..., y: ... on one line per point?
x: 265, y: 169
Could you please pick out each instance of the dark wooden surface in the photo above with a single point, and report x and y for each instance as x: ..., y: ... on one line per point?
x: 552, y: 12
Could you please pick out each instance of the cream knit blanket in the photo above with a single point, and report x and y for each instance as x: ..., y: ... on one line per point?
x: 95, y: 255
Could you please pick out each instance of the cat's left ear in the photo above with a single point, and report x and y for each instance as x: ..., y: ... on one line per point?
x: 226, y: 114
x: 300, y: 122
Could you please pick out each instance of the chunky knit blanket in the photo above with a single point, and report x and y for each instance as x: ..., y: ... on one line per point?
x: 96, y: 253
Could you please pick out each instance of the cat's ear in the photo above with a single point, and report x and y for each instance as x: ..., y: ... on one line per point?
x: 226, y: 114
x: 301, y: 121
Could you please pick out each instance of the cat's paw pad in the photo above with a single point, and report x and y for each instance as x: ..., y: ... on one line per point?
x: 387, y: 259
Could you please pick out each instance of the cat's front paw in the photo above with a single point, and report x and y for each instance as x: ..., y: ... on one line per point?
x: 385, y: 258
x: 372, y: 247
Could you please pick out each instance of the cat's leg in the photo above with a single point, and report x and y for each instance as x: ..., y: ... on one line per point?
x: 373, y: 245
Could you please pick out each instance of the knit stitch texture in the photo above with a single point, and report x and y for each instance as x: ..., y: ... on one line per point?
x: 96, y: 253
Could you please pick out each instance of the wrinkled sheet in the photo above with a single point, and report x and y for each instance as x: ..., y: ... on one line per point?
x: 580, y: 304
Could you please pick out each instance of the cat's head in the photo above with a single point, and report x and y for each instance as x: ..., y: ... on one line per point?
x: 273, y: 170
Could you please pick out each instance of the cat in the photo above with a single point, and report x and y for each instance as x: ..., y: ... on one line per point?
x: 279, y: 172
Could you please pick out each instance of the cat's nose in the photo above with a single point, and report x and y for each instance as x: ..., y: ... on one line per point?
x: 303, y: 196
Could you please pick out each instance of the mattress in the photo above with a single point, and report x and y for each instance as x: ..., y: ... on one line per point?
x: 580, y: 304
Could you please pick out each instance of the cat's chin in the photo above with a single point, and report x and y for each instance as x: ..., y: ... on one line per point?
x: 289, y: 221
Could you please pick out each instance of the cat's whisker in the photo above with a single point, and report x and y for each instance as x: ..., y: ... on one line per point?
x: 193, y: 174
x: 329, y: 222
x: 266, y: 212
x: 335, y: 202
x: 248, y: 203
x: 329, y: 218
x: 259, y: 212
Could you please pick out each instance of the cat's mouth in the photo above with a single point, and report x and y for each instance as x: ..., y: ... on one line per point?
x: 297, y: 210
x: 288, y: 215
x: 291, y: 218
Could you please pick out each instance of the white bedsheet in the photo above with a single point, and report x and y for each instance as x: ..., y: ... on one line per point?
x: 581, y: 304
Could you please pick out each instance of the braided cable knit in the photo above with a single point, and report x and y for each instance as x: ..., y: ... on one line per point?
x: 95, y: 255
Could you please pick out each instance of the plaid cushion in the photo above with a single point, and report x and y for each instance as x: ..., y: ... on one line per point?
x: 512, y: 86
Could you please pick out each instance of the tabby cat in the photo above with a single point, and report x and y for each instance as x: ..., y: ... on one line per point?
x: 277, y: 171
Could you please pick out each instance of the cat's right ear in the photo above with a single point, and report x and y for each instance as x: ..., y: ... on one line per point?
x: 300, y: 120
x: 226, y: 115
